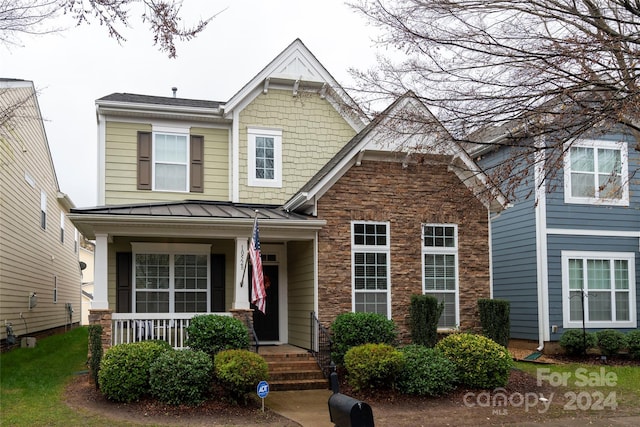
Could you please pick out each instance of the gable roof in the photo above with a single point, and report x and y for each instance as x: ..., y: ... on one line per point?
x: 392, y: 131
x: 296, y: 66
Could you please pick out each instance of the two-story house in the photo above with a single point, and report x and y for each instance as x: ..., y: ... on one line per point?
x: 347, y: 221
x: 39, y: 268
x: 566, y: 254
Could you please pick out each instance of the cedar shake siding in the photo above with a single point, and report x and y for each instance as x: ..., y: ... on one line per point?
x: 406, y: 198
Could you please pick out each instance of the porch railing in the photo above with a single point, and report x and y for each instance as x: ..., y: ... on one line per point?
x: 170, y: 327
x: 321, y: 344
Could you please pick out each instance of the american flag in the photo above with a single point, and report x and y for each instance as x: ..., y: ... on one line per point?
x: 258, y: 294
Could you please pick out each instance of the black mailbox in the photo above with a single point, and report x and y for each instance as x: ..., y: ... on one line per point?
x: 345, y: 411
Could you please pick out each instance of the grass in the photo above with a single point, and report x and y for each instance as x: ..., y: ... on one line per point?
x: 32, y: 382
x: 580, y: 376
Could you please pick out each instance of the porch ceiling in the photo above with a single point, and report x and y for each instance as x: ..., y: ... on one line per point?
x: 193, y: 219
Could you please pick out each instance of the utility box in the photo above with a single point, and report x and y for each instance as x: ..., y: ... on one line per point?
x: 28, y: 342
x: 345, y: 411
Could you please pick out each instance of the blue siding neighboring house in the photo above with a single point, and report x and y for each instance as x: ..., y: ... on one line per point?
x: 574, y: 235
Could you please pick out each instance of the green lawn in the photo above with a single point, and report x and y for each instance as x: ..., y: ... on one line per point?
x: 32, y: 382
x: 624, y: 380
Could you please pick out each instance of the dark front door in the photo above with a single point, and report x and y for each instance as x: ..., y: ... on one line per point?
x: 266, y: 325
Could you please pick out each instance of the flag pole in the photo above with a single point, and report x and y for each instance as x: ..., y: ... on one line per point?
x: 246, y: 260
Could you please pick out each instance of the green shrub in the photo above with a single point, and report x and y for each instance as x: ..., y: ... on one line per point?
x: 181, y: 376
x: 373, y: 365
x: 494, y: 319
x: 426, y: 372
x: 212, y: 333
x: 239, y: 372
x: 480, y: 362
x: 610, y: 341
x: 633, y: 343
x: 575, y: 342
x: 425, y: 311
x: 353, y: 329
x: 95, y: 349
x: 124, y: 370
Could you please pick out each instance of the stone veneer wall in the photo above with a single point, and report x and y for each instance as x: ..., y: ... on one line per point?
x: 102, y: 318
x: 406, y: 197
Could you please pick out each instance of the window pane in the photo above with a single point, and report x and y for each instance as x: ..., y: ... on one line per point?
x: 152, y: 302
x: 265, y: 157
x: 622, y: 306
x: 171, y: 177
x: 582, y: 185
x: 599, y: 274
x: 439, y: 236
x: 152, y: 271
x: 576, y: 275
x: 371, y: 302
x: 370, y: 270
x: 582, y: 159
x: 439, y: 272
x: 621, y: 270
x: 171, y: 148
x: 448, y: 317
x: 609, y: 161
x: 610, y: 186
x: 370, y: 234
x: 575, y: 306
x: 190, y: 302
x: 599, y: 306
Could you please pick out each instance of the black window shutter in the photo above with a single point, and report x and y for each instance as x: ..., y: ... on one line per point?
x: 124, y: 261
x: 217, y: 283
x: 144, y: 160
x: 197, y: 164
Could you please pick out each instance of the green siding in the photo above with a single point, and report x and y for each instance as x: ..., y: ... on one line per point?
x: 121, y: 159
x: 301, y: 291
x: 312, y: 133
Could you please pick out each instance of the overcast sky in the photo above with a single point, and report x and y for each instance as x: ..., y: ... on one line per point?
x: 73, y: 68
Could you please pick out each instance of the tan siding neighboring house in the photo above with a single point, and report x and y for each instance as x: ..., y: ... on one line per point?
x: 33, y: 259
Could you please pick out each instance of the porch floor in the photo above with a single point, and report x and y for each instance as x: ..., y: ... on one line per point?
x: 281, y: 349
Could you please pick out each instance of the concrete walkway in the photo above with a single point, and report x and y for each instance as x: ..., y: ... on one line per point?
x: 309, y: 408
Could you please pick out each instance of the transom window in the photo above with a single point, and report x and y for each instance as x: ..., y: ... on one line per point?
x: 596, y: 171
x: 170, y: 162
x: 370, y: 267
x: 265, y: 157
x: 440, y: 267
x: 175, y: 281
x: 606, y: 283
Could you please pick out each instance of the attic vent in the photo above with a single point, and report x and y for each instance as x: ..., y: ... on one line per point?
x: 174, y: 90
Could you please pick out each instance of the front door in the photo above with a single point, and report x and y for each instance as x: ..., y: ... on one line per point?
x: 267, y: 325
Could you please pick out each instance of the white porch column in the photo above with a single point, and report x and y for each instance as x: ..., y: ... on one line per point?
x: 241, y: 293
x: 100, y: 284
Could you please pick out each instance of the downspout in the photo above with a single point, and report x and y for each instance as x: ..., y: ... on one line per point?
x: 541, y: 247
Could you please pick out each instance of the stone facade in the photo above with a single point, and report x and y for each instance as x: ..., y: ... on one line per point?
x: 407, y: 197
x: 102, y: 318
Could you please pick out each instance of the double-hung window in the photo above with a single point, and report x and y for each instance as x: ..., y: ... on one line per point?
x: 596, y: 172
x: 264, y: 157
x: 440, y: 267
x: 170, y: 162
x: 370, y: 272
x: 171, y: 279
x: 598, y: 287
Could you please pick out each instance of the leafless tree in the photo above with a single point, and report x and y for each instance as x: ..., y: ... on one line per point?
x: 22, y: 17
x: 545, y: 70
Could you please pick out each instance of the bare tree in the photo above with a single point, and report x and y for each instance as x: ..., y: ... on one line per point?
x: 549, y: 70
x: 21, y: 17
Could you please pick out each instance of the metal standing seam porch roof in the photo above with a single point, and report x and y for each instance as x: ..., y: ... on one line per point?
x: 222, y: 213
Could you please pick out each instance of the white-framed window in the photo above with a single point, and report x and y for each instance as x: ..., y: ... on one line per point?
x: 171, y: 278
x: 440, y: 269
x: 170, y: 159
x: 370, y: 268
x: 61, y: 227
x: 604, y: 284
x: 264, y: 157
x: 43, y: 210
x: 596, y: 172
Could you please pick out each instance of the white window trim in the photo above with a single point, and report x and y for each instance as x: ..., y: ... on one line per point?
x: 252, y: 181
x: 171, y: 130
x: 371, y: 248
x: 172, y: 250
x: 630, y: 257
x: 442, y: 250
x: 595, y: 144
